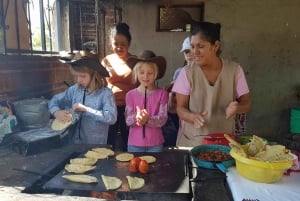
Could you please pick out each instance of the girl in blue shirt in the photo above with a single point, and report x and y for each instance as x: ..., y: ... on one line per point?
x: 90, y: 98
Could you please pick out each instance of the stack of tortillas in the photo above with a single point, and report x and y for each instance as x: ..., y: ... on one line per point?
x: 100, y: 153
x: 111, y: 183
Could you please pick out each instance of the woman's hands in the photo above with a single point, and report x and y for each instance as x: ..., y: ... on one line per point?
x: 141, y: 116
x: 231, y: 109
x: 199, y: 120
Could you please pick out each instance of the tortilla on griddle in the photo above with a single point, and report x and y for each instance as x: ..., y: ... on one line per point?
x: 97, y: 155
x: 78, y: 168
x: 83, y: 161
x: 111, y: 183
x: 107, y: 151
x: 135, y: 182
x: 124, y: 157
x: 81, y: 178
x: 149, y: 159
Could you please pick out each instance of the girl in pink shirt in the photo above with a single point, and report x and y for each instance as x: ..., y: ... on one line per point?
x: 146, y: 106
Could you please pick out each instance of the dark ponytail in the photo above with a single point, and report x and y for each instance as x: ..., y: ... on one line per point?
x: 123, y: 29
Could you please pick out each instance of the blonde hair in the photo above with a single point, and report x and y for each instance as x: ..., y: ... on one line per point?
x: 97, y: 81
x: 137, y: 67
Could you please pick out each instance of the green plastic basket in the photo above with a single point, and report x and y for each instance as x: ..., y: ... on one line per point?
x: 295, y: 121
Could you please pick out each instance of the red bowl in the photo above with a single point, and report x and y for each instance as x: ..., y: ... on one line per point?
x: 218, y: 138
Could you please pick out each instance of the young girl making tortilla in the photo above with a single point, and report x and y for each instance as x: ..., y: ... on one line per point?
x: 90, y: 98
x: 146, y: 106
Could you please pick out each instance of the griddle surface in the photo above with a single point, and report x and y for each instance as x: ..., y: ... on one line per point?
x: 167, y: 175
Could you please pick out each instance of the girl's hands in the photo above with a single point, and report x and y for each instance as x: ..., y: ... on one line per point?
x: 63, y: 116
x: 141, y: 116
x: 78, y: 107
x: 231, y: 109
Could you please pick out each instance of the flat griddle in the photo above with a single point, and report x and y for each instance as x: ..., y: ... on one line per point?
x: 167, y: 175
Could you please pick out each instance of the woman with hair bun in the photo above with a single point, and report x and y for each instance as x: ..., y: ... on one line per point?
x: 120, y: 80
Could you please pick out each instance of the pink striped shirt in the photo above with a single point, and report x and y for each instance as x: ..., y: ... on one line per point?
x: 182, y: 84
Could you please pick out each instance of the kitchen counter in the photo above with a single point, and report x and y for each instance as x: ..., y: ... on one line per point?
x: 20, y: 175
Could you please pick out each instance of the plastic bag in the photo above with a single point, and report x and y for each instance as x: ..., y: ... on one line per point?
x: 32, y: 113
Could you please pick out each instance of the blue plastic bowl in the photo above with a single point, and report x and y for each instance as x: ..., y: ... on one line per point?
x: 221, y: 165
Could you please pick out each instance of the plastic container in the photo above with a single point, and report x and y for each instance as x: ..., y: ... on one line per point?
x: 259, y: 171
x: 295, y: 164
x: 295, y: 121
x: 221, y: 165
x: 218, y: 138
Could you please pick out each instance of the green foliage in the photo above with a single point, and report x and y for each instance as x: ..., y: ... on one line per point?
x: 37, y: 39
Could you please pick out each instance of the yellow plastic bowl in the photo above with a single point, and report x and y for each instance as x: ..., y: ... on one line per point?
x: 259, y: 171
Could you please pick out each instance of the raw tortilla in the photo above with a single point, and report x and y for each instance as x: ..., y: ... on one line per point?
x: 124, y: 157
x: 97, y: 155
x: 135, y: 182
x: 81, y: 178
x: 78, y: 168
x: 149, y: 159
x: 111, y: 183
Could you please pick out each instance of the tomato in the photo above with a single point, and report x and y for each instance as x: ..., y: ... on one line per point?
x: 144, y: 167
x: 134, y: 164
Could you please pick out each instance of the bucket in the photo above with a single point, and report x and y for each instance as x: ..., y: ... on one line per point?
x: 32, y: 113
x: 295, y: 121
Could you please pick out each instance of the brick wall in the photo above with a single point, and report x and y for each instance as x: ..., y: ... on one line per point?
x: 31, y: 76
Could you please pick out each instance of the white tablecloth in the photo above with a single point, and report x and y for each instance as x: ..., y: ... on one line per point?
x: 287, y: 189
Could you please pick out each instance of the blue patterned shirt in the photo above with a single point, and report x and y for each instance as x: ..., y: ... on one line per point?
x: 95, y: 122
